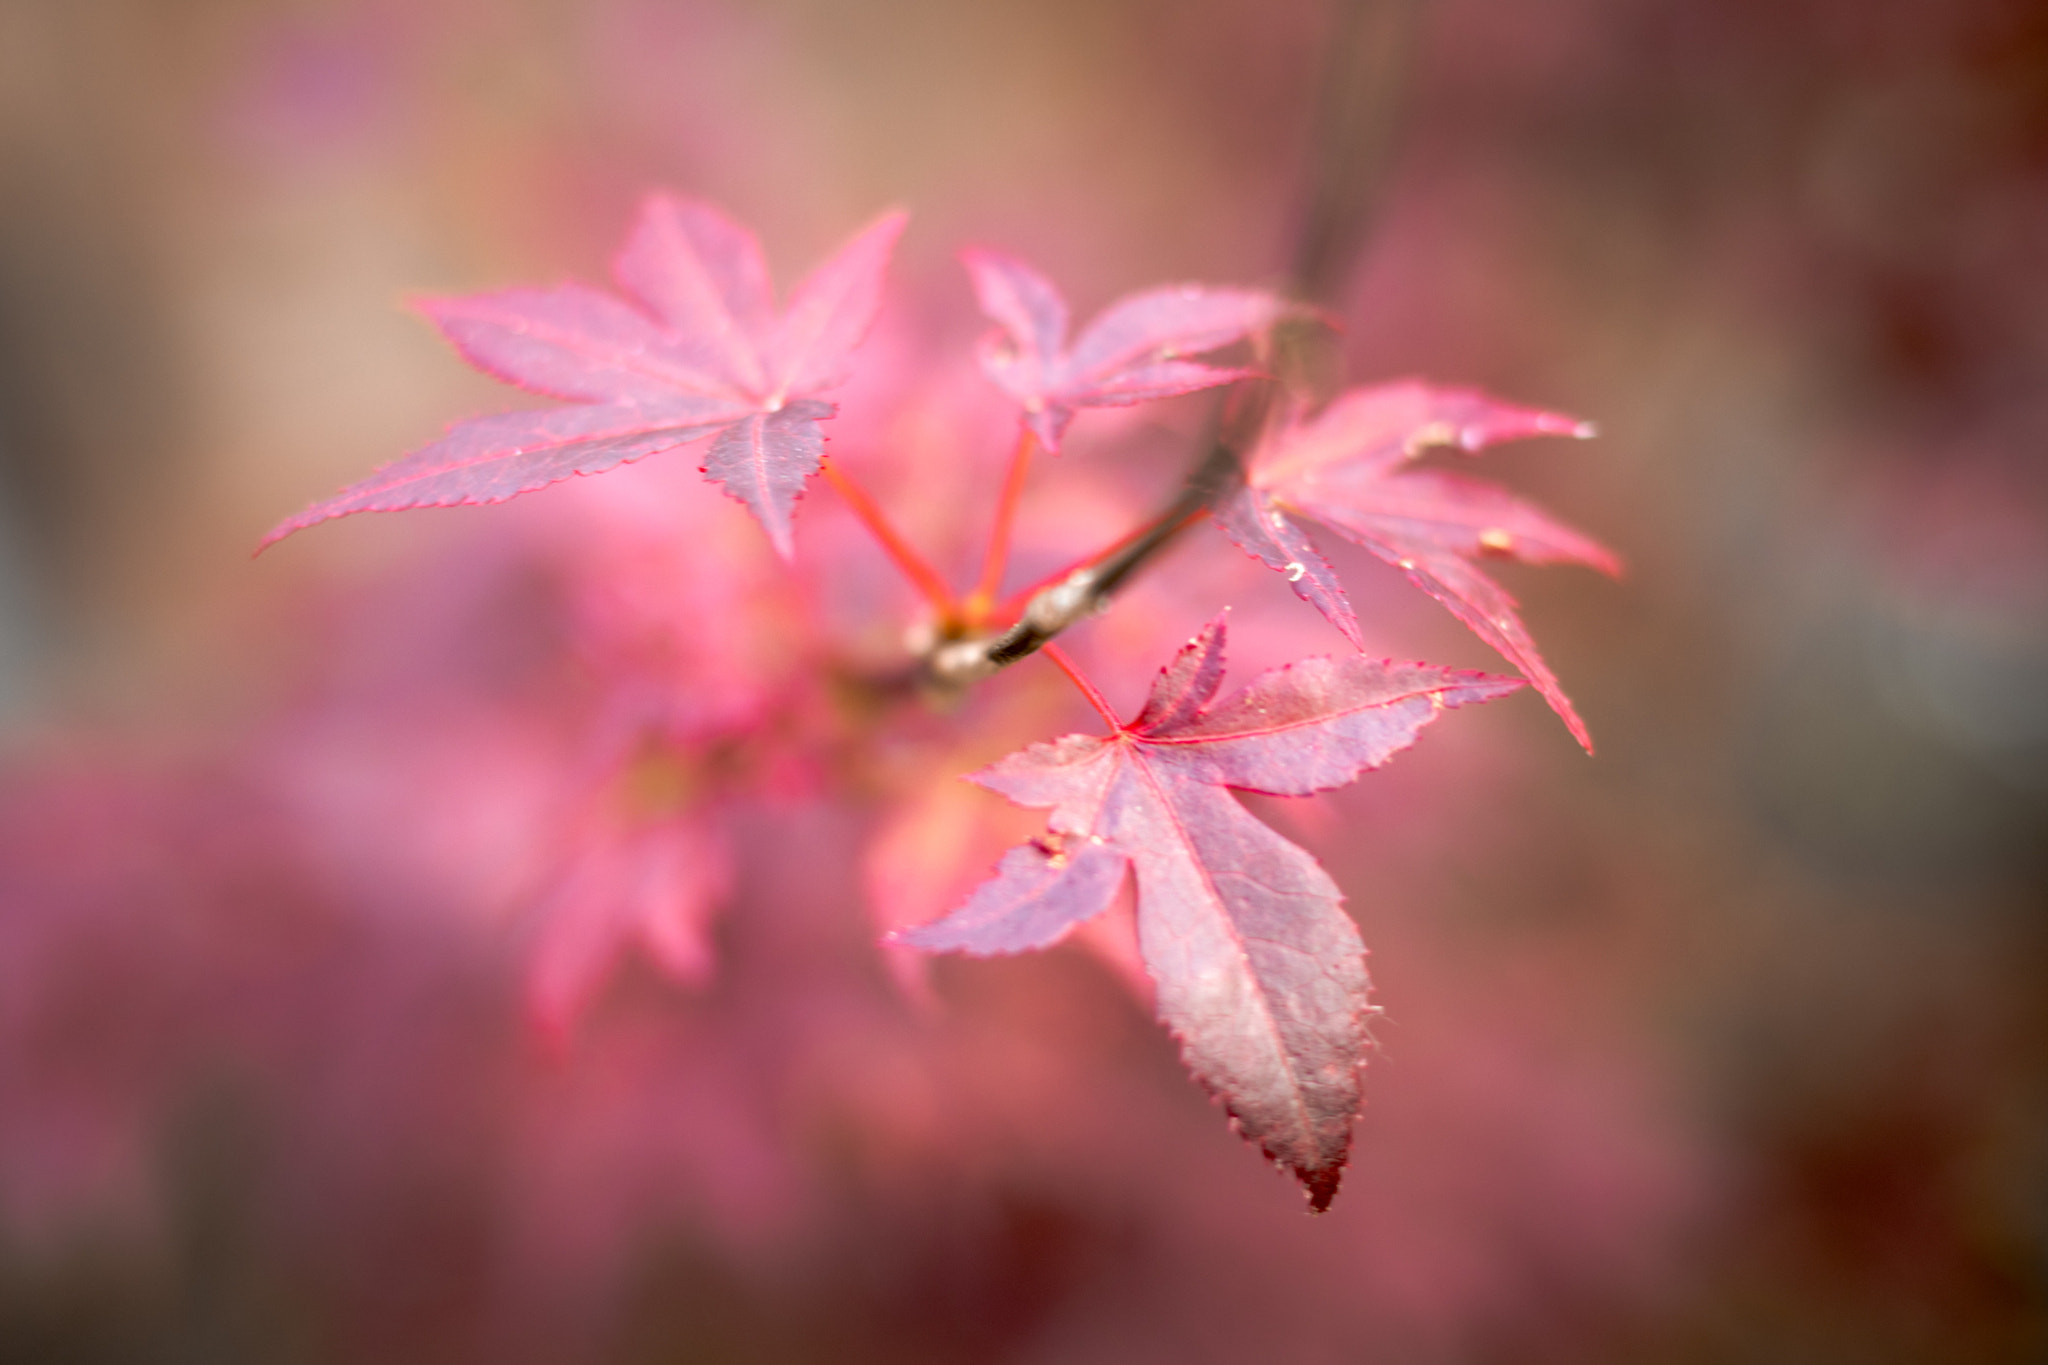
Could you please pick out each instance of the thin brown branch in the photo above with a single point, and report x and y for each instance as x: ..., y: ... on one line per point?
x: 1358, y: 113
x: 1350, y: 155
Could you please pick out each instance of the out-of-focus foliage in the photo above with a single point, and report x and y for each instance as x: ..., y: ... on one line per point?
x: 1729, y: 1044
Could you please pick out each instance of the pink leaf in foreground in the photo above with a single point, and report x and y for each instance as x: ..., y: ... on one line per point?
x: 695, y: 350
x: 1132, y: 351
x: 1343, y: 469
x: 1260, y: 973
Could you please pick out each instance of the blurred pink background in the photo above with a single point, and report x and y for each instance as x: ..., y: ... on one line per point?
x: 1728, y: 1044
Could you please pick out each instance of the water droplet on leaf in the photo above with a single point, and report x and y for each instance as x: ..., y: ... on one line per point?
x: 1434, y: 434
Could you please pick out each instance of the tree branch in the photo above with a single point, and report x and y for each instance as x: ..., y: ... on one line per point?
x: 1086, y: 590
x: 1352, y: 145
x: 1351, y: 151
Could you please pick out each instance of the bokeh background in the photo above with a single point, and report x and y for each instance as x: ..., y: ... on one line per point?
x: 1729, y: 1044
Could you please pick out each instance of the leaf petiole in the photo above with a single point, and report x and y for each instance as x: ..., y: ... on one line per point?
x: 980, y: 602
x: 913, y: 566
x: 1080, y: 680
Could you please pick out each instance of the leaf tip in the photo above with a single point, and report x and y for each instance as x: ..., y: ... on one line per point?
x: 1320, y: 1186
x: 1048, y: 425
x: 1605, y: 561
x: 885, y: 227
x: 977, y: 258
x: 779, y: 531
x: 1569, y: 714
x: 289, y: 526
x: 424, y: 302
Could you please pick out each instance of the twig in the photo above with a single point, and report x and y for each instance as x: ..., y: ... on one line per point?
x: 1085, y: 590
x: 1351, y: 151
x: 1357, y: 116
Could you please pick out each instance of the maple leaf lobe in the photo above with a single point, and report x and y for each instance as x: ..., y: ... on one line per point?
x: 762, y: 462
x: 704, y: 277
x: 1038, y: 895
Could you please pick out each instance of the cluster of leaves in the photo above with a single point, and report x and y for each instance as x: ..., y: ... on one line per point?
x: 1257, y: 969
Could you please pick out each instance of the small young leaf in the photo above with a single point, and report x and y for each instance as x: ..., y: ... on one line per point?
x: 1132, y: 351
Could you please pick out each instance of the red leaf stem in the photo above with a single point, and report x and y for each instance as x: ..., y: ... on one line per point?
x: 984, y: 595
x: 921, y: 575
x: 1080, y: 679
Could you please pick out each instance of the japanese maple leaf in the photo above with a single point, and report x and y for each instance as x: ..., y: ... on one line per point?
x: 1343, y: 469
x: 1132, y: 351
x: 694, y: 349
x: 656, y: 885
x: 1260, y: 972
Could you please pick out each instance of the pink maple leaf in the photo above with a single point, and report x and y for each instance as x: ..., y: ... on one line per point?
x: 652, y: 884
x: 695, y: 349
x: 1132, y: 351
x: 1260, y: 973
x: 1343, y: 469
